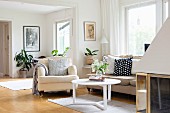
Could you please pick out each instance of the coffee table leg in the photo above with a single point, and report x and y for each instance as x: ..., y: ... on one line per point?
x: 105, y: 96
x: 109, y: 92
x: 74, y: 93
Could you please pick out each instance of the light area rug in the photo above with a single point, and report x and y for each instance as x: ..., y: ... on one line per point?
x: 18, y: 84
x: 113, y: 106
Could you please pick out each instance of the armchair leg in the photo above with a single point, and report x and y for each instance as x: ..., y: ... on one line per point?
x: 89, y: 89
x: 41, y: 93
x: 71, y: 92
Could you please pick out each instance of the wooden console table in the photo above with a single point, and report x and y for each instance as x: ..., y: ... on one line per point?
x: 152, y: 93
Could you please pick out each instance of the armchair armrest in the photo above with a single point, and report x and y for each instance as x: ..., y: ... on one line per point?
x: 72, y: 70
x: 41, y: 69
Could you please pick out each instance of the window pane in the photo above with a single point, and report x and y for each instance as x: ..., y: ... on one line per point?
x: 165, y: 10
x: 141, y: 28
x: 63, y: 36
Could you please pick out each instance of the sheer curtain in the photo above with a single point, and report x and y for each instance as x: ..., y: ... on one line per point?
x: 110, y: 23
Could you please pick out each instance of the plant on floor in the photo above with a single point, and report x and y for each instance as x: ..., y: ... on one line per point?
x: 23, y: 60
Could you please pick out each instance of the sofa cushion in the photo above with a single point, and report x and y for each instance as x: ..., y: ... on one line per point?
x: 125, y: 80
x: 110, y: 61
x: 133, y: 82
x: 123, y: 67
x: 58, y: 67
x: 57, y: 79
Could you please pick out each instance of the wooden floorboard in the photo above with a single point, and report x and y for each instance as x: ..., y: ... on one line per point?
x: 23, y: 101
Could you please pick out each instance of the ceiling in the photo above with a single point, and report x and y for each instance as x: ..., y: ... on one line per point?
x: 33, y: 8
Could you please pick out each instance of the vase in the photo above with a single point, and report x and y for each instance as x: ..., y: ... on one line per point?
x: 98, y: 72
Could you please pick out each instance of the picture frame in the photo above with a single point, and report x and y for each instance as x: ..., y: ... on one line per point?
x: 89, y: 31
x: 31, y: 41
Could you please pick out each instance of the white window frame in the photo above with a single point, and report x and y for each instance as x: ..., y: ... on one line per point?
x: 123, y: 44
x: 126, y: 20
x: 71, y: 29
x: 164, y: 10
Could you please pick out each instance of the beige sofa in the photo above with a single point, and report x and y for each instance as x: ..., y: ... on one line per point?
x: 55, y: 83
x: 128, y: 83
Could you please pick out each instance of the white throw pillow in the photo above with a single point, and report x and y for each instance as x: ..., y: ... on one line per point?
x: 58, y: 67
x: 134, y: 64
x: 110, y: 61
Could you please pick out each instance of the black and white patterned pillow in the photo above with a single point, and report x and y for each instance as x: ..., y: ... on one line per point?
x: 123, y: 67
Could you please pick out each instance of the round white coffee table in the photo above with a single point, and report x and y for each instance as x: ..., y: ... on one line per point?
x: 106, y: 84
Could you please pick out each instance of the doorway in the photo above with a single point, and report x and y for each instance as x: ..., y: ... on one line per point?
x: 4, y: 48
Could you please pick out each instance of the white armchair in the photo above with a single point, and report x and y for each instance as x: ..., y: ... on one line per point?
x: 55, y: 83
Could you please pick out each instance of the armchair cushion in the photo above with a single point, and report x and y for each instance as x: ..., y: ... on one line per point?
x: 58, y: 67
x: 57, y: 79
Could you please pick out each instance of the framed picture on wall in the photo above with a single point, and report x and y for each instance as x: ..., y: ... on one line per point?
x: 89, y: 31
x: 31, y: 35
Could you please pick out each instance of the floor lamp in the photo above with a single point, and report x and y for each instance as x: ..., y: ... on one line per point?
x: 104, y: 43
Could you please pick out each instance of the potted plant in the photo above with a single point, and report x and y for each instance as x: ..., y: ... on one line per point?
x: 99, y: 67
x: 89, y: 55
x: 55, y: 52
x: 24, y: 61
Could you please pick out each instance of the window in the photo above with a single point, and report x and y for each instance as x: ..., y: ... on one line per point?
x: 141, y: 27
x: 63, y: 35
x: 165, y: 10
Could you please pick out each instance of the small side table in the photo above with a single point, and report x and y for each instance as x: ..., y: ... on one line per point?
x: 86, y: 70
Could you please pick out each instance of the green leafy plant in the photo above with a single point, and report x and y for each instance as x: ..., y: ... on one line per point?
x: 55, y: 52
x: 23, y: 60
x: 99, y: 66
x: 65, y: 51
x: 90, y: 52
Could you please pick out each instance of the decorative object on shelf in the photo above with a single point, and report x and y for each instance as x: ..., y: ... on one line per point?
x: 31, y: 40
x: 99, y: 67
x: 89, y: 55
x: 89, y: 31
x: 55, y: 52
x: 104, y: 43
x: 24, y: 61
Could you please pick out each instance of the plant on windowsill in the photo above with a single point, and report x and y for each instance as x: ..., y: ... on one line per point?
x: 89, y: 55
x: 55, y: 52
x: 24, y: 61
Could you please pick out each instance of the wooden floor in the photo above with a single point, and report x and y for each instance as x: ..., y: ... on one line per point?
x: 23, y: 101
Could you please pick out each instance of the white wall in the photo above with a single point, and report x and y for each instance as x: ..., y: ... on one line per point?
x: 89, y: 10
x: 84, y: 10
x: 20, y: 19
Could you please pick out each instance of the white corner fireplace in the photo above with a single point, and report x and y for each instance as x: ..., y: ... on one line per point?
x: 153, y: 77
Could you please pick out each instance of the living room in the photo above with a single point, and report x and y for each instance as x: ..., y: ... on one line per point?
x: 111, y: 19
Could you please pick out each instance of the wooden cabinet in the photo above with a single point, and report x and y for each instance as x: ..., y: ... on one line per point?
x: 86, y: 70
x: 152, y: 93
x: 141, y: 92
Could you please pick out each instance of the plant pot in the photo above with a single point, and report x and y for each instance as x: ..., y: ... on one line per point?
x: 89, y: 60
x: 22, y: 73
